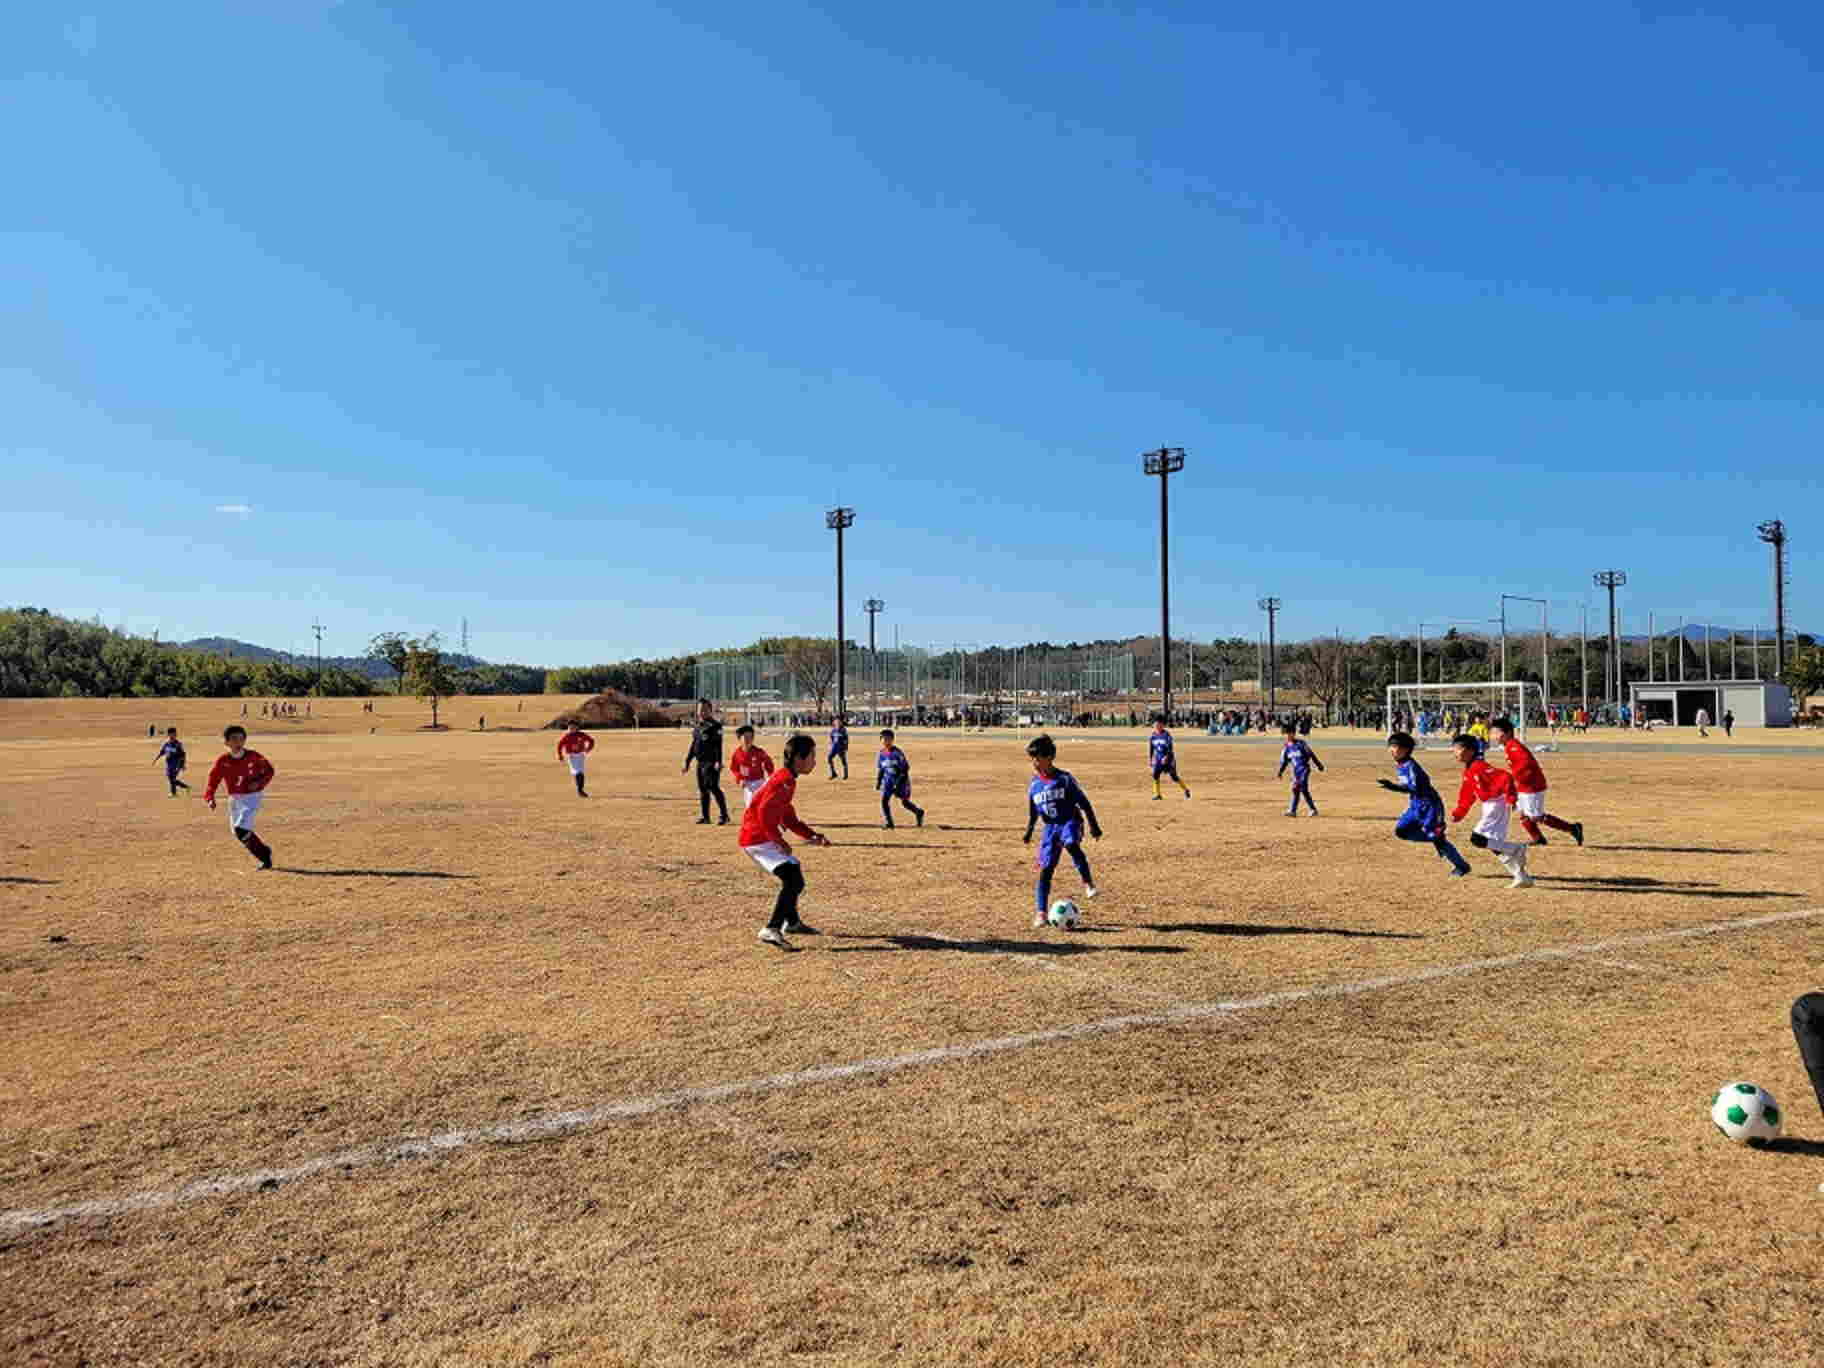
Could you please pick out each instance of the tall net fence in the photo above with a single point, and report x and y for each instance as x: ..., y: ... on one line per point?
x: 937, y: 684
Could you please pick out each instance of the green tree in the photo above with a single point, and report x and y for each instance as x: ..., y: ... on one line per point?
x: 432, y: 677
x: 1804, y: 673
x: 395, y: 650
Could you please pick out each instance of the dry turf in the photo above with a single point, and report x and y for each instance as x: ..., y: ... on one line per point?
x: 1497, y: 1163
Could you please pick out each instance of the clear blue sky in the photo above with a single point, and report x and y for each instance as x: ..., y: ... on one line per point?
x: 573, y: 318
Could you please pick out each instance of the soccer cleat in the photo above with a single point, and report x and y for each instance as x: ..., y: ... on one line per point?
x: 722, y: 820
x: 920, y: 815
x: 1522, y: 879
x: 1459, y: 872
x: 1187, y: 795
x: 702, y: 821
x: 773, y: 936
x: 886, y: 826
x: 1039, y: 921
x: 1158, y: 797
x: 798, y: 928
x: 1090, y: 890
x: 1538, y: 840
x: 1577, y: 832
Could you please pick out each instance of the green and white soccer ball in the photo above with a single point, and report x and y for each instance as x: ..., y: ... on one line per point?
x: 1746, y: 1113
x: 1064, y: 915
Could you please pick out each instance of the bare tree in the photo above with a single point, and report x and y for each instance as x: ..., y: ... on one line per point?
x: 1317, y: 667
x: 812, y: 662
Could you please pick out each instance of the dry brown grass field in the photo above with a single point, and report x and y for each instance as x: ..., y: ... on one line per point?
x: 1358, y: 1161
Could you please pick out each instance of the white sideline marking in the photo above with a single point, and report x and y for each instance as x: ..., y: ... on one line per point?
x: 567, y: 1122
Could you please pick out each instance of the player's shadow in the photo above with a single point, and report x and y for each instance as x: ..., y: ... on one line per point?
x: 1690, y: 850
x: 375, y: 873
x: 993, y: 945
x: 23, y: 879
x: 1251, y: 929
x: 888, y: 845
x: 1791, y: 1144
x: 1627, y: 883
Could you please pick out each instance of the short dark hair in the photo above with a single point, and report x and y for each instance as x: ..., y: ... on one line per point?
x: 1042, y: 748
x: 886, y: 733
x: 1464, y: 739
x: 170, y: 731
x: 233, y: 729
x: 1506, y: 724
x: 797, y: 746
x: 704, y: 702
x: 1402, y: 739
x: 1289, y: 727
x: 744, y: 730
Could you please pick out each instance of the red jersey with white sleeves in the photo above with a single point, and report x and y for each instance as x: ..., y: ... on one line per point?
x: 748, y: 763
x: 771, y: 810
x: 248, y: 774
x: 1528, y: 777
x: 574, y: 743
x: 1482, y: 780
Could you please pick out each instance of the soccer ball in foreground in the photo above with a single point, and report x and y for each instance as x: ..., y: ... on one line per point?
x: 1746, y: 1113
x: 1064, y: 915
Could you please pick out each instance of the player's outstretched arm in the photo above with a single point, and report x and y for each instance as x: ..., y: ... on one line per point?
x: 1392, y: 787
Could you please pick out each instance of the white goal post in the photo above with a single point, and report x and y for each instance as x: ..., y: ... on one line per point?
x: 1433, y: 713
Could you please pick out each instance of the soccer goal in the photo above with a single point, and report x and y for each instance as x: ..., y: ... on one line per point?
x: 1434, y: 713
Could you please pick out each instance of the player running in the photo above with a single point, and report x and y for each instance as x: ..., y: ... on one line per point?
x: 1529, y: 781
x: 1055, y: 796
x: 1423, y: 819
x: 572, y: 747
x: 762, y: 837
x: 245, y: 773
x: 173, y: 757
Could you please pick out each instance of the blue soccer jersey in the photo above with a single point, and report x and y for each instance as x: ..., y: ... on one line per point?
x: 1159, y: 748
x: 894, y: 771
x: 173, y: 755
x: 1298, y: 755
x: 839, y: 740
x: 1059, y: 799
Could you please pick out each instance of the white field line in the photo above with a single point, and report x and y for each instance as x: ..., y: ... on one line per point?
x: 15, y: 1221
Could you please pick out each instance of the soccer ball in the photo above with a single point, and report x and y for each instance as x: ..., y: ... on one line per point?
x: 1746, y: 1113
x: 1064, y: 915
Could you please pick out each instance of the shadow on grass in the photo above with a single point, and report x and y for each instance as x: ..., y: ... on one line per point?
x: 993, y: 945
x: 22, y: 879
x: 1680, y: 888
x: 1791, y: 1144
x: 374, y: 873
x: 1690, y: 850
x: 1247, y: 929
x: 887, y: 845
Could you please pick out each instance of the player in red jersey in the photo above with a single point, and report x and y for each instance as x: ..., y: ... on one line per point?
x: 1496, y: 790
x: 749, y: 764
x: 572, y: 746
x: 1529, y: 779
x: 245, y: 773
x: 763, y: 829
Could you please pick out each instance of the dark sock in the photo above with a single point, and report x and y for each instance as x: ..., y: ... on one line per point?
x: 1555, y: 823
x: 1449, y: 852
x: 791, y: 884
x: 1531, y: 828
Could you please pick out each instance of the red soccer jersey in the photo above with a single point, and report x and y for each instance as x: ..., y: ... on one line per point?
x: 249, y: 774
x: 771, y: 810
x: 1528, y: 777
x: 749, y: 762
x: 1482, y: 780
x: 571, y: 742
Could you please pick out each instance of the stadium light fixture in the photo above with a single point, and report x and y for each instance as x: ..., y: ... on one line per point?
x: 839, y: 520
x: 1164, y: 463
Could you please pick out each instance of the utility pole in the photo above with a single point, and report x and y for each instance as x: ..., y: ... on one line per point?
x: 1773, y: 532
x: 840, y: 520
x: 872, y: 608
x: 1583, y: 649
x: 317, y: 627
x: 1164, y: 463
x: 1612, y: 580
x: 465, y: 636
x: 1271, y: 605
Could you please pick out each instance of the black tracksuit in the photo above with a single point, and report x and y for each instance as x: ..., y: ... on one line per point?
x: 706, y: 750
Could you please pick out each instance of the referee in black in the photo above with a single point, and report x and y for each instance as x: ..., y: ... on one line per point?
x: 706, y: 750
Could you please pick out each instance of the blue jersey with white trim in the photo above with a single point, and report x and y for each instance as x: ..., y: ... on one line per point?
x: 1058, y: 798
x: 1159, y: 745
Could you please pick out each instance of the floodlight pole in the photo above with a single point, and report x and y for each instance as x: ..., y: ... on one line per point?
x: 1271, y: 605
x: 1773, y: 532
x: 317, y: 627
x: 1163, y: 463
x: 839, y: 520
x: 1583, y: 649
x: 1612, y: 580
x: 873, y: 607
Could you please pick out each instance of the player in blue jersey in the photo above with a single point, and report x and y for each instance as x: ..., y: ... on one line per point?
x: 839, y: 746
x: 172, y: 756
x: 1055, y: 796
x: 1298, y: 754
x: 1164, y: 759
x: 893, y: 777
x: 1423, y: 819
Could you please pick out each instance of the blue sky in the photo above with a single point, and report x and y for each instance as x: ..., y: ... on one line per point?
x: 572, y: 319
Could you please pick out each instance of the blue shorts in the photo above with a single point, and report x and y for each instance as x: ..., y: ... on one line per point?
x: 901, y: 790
x: 1423, y: 820
x: 1168, y: 767
x: 1054, y: 838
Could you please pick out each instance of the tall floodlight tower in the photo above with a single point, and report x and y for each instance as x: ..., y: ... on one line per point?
x: 840, y: 520
x: 317, y: 627
x: 873, y: 608
x: 1773, y: 532
x: 1164, y: 463
x: 1271, y: 607
x: 1612, y: 580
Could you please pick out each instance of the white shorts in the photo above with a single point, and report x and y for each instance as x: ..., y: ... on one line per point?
x: 769, y: 855
x: 243, y: 808
x: 576, y: 761
x: 749, y: 787
x: 1531, y: 805
x: 1493, y: 825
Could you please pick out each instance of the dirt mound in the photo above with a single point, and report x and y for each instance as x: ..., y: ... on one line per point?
x: 609, y: 709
